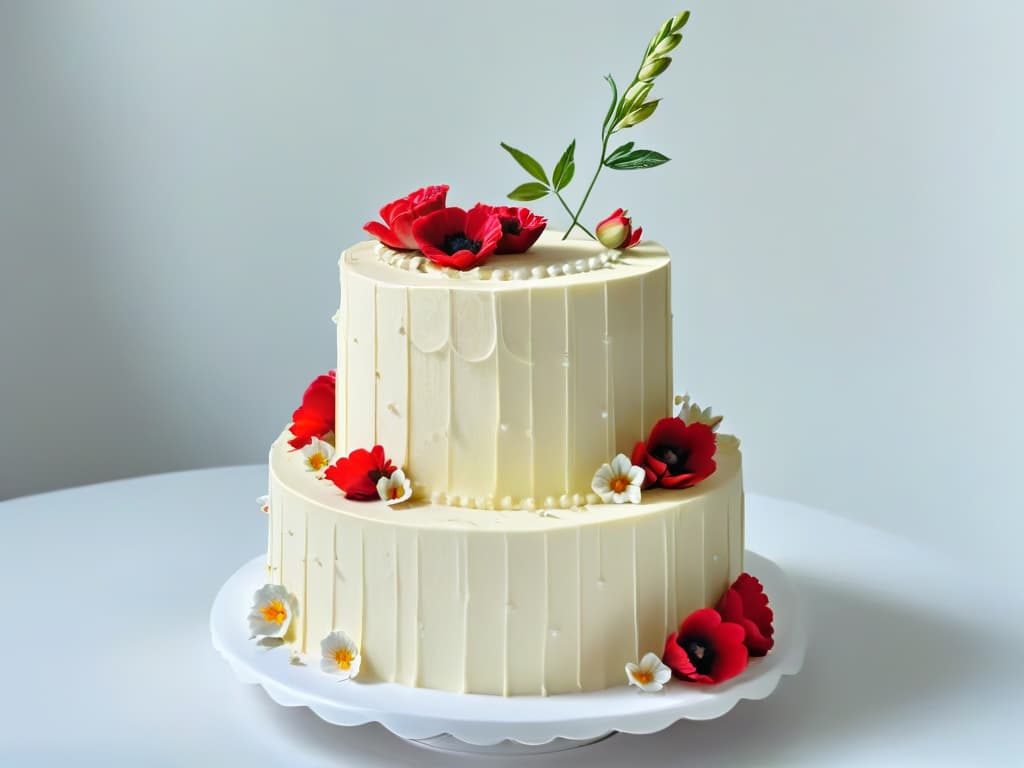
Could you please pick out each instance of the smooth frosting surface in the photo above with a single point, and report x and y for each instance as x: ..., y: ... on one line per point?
x: 501, y: 601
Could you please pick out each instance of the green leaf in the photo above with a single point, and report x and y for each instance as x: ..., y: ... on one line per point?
x: 635, y: 160
x: 619, y: 152
x: 565, y: 168
x: 531, y: 190
x: 528, y: 164
x: 613, y: 109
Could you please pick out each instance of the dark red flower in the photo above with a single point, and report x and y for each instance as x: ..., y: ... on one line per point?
x: 706, y: 649
x: 358, y: 474
x: 456, y: 238
x: 399, y: 215
x: 676, y: 454
x: 520, y: 228
x: 315, y: 417
x: 617, y: 231
x: 746, y: 604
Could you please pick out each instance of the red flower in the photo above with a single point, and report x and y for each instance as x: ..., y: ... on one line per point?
x: 706, y: 649
x: 617, y: 231
x: 676, y: 454
x: 456, y: 238
x: 315, y: 417
x: 358, y: 474
x: 399, y: 215
x: 520, y: 228
x: 746, y: 604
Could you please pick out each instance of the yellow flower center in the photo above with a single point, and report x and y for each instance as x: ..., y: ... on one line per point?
x: 343, y: 657
x: 275, y: 612
x: 394, y: 492
x: 619, y: 484
x: 643, y: 677
x: 317, y: 461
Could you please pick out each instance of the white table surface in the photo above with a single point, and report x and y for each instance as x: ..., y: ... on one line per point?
x: 914, y: 659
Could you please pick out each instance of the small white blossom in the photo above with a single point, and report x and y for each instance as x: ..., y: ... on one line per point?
x: 650, y: 674
x: 691, y: 413
x: 316, y: 456
x: 273, y: 608
x: 618, y: 482
x: 395, y: 488
x: 340, y: 655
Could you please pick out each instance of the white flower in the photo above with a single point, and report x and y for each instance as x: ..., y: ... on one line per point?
x: 263, y: 502
x: 340, y: 655
x: 691, y: 413
x: 273, y: 608
x: 317, y: 455
x: 395, y: 488
x: 649, y: 675
x: 619, y: 481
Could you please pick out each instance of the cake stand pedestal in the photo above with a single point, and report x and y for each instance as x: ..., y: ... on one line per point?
x: 516, y: 725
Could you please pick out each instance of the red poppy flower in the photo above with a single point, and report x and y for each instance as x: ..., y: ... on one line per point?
x: 315, y: 417
x: 398, y: 215
x: 706, y: 649
x: 676, y: 454
x: 746, y: 604
x: 456, y: 238
x: 520, y: 228
x: 358, y: 474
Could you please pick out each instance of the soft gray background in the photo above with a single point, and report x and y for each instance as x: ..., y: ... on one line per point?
x: 844, y: 209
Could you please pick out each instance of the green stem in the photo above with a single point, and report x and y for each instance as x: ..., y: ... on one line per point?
x: 586, y: 196
x: 574, y: 222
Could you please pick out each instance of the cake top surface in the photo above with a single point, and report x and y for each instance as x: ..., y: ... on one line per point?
x: 551, y: 260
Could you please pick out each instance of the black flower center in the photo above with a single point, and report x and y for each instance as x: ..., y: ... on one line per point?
x: 458, y: 241
x: 510, y: 227
x: 675, y: 458
x: 700, y: 653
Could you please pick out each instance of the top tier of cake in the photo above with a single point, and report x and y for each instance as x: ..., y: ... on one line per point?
x: 508, y: 385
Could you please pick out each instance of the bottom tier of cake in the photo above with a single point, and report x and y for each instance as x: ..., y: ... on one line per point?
x: 500, y: 601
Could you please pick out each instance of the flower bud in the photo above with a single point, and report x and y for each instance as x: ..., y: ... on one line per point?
x: 635, y: 94
x: 616, y: 231
x: 653, y: 67
x: 666, y: 45
x: 638, y: 115
x: 678, y: 22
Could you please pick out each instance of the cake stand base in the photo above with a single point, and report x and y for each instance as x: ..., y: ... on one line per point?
x: 481, y: 724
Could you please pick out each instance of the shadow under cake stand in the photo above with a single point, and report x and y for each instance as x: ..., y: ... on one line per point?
x: 477, y: 723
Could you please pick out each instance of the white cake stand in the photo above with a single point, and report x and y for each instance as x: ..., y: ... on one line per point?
x: 494, y: 724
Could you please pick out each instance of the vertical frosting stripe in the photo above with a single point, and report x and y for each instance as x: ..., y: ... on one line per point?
x: 526, y: 615
x: 515, y: 396
x: 589, y: 397
x: 657, y: 356
x: 562, y: 652
x: 594, y: 644
x: 429, y: 388
x: 440, y: 638
x: 625, y: 339
x: 349, y: 578
x: 319, y: 574
x: 473, y: 470
x: 690, y: 572
x: 341, y: 388
x: 485, y: 616
x: 361, y: 363
x: 651, y: 585
x: 293, y: 561
x: 550, y: 374
x: 716, y: 551
x: 380, y: 593
x: 407, y: 633
x: 392, y: 411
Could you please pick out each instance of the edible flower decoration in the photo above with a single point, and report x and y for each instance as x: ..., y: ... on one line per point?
x: 520, y: 228
x: 273, y: 608
x: 340, y: 655
x: 746, y: 604
x: 619, y: 481
x: 263, y: 502
x: 453, y: 237
x: 706, y: 649
x: 317, y: 456
x: 399, y: 216
x: 676, y: 454
x: 692, y: 413
x: 394, y: 488
x: 617, y: 231
x: 358, y: 473
x: 315, y: 416
x: 650, y: 674
x: 627, y: 110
